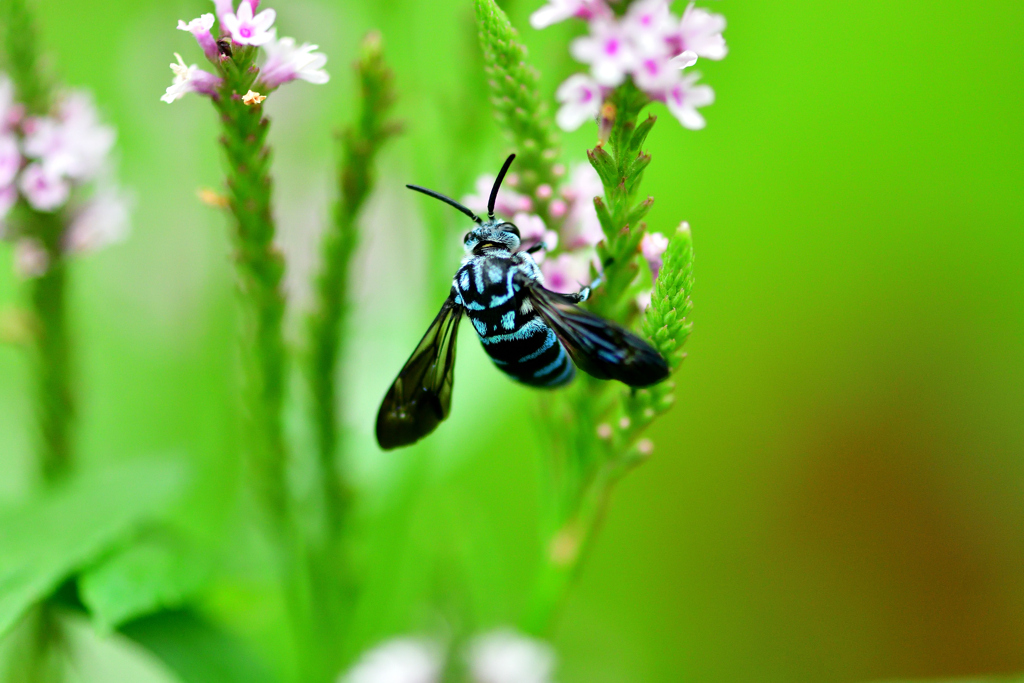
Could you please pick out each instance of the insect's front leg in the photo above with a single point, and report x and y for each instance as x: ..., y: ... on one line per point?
x: 537, y: 247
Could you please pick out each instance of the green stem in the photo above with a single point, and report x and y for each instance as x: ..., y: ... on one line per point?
x: 32, y: 87
x: 360, y: 144
x: 260, y: 268
x: 55, y: 399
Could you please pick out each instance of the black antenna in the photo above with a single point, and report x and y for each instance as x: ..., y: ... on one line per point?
x: 447, y: 200
x: 497, y: 184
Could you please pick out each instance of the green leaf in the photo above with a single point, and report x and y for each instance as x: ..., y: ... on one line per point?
x: 50, y: 537
x: 197, y: 650
x: 154, y: 573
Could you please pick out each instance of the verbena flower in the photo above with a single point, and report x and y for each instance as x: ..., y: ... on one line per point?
x: 509, y: 202
x: 190, y: 79
x: 200, y: 28
x: 580, y: 96
x: 49, y: 161
x: 685, y: 97
x: 284, y: 59
x: 44, y: 189
x: 10, y: 159
x: 286, y: 62
x: 653, y: 246
x: 648, y: 44
x: 102, y: 220
x: 560, y: 10
x: 403, y: 660
x: 248, y: 29
x: 701, y: 32
x: 567, y: 272
x: 498, y: 657
x: 72, y: 144
x: 507, y: 657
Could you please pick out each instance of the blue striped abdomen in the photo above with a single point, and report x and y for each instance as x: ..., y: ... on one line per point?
x: 516, y: 339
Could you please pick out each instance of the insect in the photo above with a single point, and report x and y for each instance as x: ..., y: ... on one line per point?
x: 531, y: 333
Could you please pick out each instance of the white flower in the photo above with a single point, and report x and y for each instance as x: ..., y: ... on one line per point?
x: 286, y: 62
x: 189, y: 79
x: 560, y: 10
x: 566, y: 273
x: 508, y: 203
x: 507, y: 657
x: 403, y: 660
x: 44, y: 190
x: 684, y: 98
x: 580, y: 96
x: 701, y: 32
x: 582, y: 227
x: 653, y: 246
x: 102, y: 221
x: 223, y: 8
x: 607, y: 50
x: 30, y: 258
x: 10, y: 159
x: 247, y: 29
x: 200, y: 29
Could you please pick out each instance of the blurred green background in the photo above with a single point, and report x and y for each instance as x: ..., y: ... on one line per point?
x: 839, y: 494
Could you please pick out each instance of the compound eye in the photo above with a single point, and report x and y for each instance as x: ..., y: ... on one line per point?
x: 508, y: 227
x: 465, y: 240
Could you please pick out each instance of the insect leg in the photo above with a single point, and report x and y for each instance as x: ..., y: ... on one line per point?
x: 536, y: 247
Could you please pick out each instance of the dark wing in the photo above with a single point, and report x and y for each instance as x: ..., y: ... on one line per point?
x: 599, y: 347
x: 421, y: 396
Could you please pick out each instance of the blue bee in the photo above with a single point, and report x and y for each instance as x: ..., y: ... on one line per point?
x: 536, y: 336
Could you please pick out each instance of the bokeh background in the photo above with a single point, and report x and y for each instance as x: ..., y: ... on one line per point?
x: 839, y: 494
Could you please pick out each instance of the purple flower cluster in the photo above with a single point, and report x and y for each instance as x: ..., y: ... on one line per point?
x: 283, y: 61
x: 648, y: 44
x: 44, y: 161
x: 570, y: 268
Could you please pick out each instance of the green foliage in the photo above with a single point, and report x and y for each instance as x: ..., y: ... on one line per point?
x: 197, y: 650
x: 522, y: 113
x: 360, y: 144
x: 52, y: 536
x: 153, y: 573
x: 260, y: 273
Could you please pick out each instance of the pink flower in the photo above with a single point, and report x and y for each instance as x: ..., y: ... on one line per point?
x: 508, y: 203
x: 643, y: 300
x: 75, y: 144
x: 532, y: 230
x: 580, y: 96
x: 44, y: 189
x: 102, y: 221
x: 649, y: 26
x: 560, y: 10
x: 653, y: 246
x: 30, y: 258
x: 684, y: 98
x: 190, y: 79
x: 286, y: 62
x: 566, y: 273
x: 608, y: 50
x: 200, y: 29
x: 701, y: 32
x: 10, y: 159
x: 581, y: 227
x: 247, y: 29
x: 223, y: 8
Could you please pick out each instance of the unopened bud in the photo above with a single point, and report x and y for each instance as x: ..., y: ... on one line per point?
x: 604, y: 431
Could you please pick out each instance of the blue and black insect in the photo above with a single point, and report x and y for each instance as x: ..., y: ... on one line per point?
x: 536, y: 336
